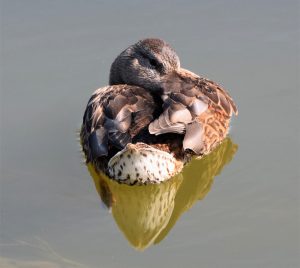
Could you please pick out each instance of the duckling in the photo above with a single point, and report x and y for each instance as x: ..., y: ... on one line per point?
x: 153, y: 116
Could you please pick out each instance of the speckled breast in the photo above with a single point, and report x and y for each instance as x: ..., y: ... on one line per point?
x: 142, y: 164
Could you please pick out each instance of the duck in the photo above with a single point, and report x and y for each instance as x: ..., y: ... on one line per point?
x: 153, y: 117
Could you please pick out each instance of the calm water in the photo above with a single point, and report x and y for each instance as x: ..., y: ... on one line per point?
x: 239, y: 207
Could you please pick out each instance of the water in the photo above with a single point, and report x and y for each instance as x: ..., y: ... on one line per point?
x: 54, y: 54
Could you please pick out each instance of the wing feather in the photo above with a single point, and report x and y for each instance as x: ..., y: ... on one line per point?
x: 113, y: 116
x: 186, y: 97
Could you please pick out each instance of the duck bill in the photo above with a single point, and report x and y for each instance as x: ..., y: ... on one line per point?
x: 179, y: 79
x: 187, y: 73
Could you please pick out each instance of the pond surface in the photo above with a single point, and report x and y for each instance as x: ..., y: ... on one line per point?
x: 238, y: 207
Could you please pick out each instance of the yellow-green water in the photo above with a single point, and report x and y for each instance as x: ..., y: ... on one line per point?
x: 146, y: 214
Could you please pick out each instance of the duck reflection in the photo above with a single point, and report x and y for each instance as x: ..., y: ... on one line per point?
x: 146, y: 214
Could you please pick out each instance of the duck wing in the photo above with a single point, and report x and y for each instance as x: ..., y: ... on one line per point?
x: 113, y: 116
x: 187, y: 101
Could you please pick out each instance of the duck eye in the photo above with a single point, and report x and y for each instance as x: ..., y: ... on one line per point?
x: 154, y: 63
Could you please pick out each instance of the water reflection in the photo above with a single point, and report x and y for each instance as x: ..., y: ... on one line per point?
x: 146, y: 214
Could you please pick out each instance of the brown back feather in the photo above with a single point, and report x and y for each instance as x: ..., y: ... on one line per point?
x: 187, y: 98
x: 120, y: 111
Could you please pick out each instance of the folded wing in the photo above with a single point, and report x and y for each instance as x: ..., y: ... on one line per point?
x: 186, y: 100
x: 113, y: 116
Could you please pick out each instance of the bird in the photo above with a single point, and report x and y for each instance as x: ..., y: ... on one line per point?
x: 153, y: 117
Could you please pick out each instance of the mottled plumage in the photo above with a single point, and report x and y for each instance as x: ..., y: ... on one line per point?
x: 113, y: 117
x: 152, y: 107
x: 197, y: 107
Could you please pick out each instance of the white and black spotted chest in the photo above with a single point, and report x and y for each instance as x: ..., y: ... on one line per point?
x: 141, y: 166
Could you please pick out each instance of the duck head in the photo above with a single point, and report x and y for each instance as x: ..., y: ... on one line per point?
x: 145, y: 64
